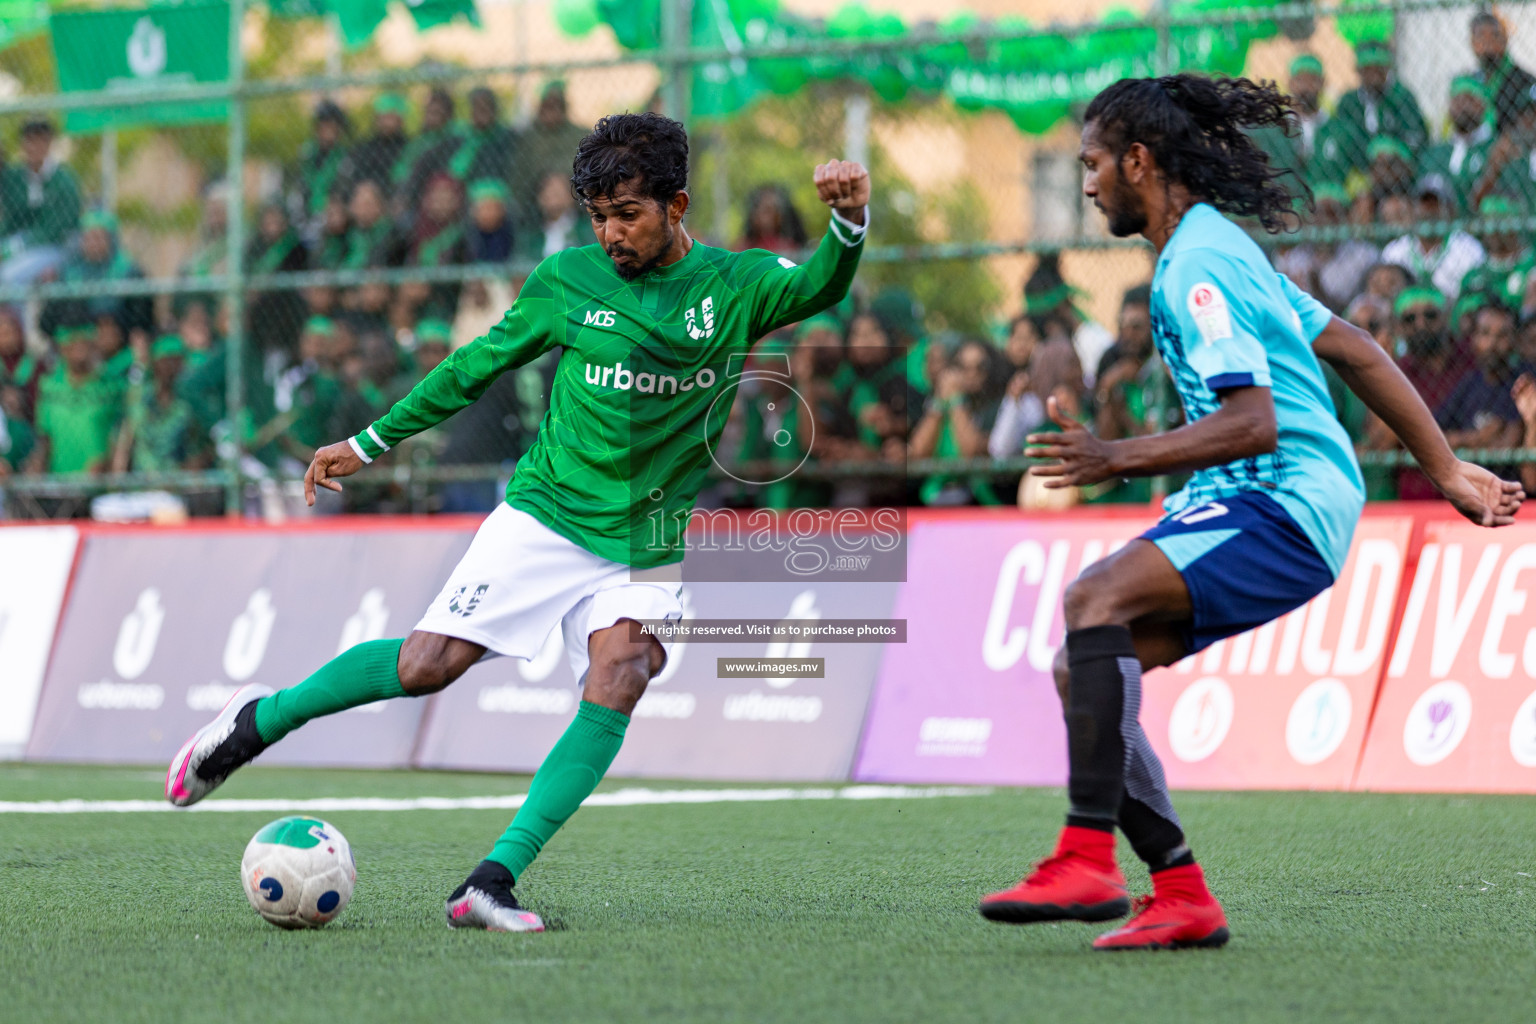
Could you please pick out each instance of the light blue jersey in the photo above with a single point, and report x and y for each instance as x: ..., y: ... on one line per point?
x: 1223, y: 318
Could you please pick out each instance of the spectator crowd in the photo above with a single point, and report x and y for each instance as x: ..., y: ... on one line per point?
x: 130, y: 383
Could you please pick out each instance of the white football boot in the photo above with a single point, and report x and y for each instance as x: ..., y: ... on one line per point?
x: 217, y: 749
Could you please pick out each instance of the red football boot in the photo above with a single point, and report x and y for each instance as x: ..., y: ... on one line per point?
x: 1079, y: 882
x: 1181, y: 913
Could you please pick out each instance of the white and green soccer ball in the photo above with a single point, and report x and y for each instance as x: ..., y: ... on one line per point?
x: 298, y: 872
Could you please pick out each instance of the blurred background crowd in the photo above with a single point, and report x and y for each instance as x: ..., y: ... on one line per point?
x: 438, y: 179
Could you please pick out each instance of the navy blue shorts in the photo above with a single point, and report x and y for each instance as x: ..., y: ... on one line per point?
x: 1245, y: 562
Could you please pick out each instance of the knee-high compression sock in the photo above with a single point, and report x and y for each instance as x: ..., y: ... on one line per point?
x: 359, y: 675
x: 567, y: 777
x: 1099, y: 660
x: 1158, y: 841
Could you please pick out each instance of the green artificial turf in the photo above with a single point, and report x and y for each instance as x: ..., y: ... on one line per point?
x: 1343, y: 907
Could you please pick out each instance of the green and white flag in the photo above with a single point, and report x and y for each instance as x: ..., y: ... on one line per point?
x: 131, y: 51
x: 431, y: 13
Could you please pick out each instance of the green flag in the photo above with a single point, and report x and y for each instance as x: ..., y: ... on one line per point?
x: 358, y: 19
x: 129, y: 51
x: 432, y: 13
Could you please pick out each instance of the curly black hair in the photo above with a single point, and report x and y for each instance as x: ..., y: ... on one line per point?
x: 647, y: 150
x: 1197, y: 130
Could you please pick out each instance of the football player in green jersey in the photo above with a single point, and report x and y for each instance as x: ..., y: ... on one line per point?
x: 648, y: 322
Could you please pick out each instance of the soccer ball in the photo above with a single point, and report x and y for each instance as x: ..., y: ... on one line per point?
x: 298, y: 872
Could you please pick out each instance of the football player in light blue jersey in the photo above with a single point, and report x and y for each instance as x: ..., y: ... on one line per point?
x: 1265, y: 522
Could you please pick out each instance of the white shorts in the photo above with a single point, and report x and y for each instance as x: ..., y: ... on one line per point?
x: 519, y: 579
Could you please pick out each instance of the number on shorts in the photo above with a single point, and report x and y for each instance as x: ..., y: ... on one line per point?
x: 1200, y: 513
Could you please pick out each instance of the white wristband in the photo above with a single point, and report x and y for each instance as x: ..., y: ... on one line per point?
x: 359, y: 450
x: 847, y: 232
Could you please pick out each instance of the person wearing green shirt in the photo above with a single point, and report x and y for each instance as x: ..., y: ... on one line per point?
x: 426, y: 154
x: 956, y: 423
x: 1505, y: 273
x: 160, y: 430
x: 77, y: 411
x: 39, y: 208
x: 322, y: 158
x: 308, y: 394
x: 1294, y: 152
x: 544, y: 147
x: 375, y: 157
x: 1381, y: 106
x: 486, y: 145
x: 649, y: 322
x: 372, y: 240
x: 100, y: 258
x: 1463, y: 156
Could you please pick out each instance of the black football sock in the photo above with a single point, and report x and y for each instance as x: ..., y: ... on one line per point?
x: 1099, y: 659
x: 1156, y: 840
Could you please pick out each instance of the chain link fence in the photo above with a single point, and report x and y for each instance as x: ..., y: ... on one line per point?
x: 205, y: 278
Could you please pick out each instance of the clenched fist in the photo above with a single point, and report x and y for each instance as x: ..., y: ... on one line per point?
x: 844, y: 186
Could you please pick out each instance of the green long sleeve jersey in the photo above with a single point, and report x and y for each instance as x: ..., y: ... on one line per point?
x: 644, y: 384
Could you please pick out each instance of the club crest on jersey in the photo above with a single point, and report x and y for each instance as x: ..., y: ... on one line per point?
x: 701, y: 324
x: 1208, y: 306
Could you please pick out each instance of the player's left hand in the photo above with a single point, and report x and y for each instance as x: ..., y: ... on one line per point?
x: 844, y: 186
x: 1085, y: 459
x: 1481, y: 496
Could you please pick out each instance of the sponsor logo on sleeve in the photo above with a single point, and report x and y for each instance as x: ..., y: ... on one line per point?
x: 1208, y: 306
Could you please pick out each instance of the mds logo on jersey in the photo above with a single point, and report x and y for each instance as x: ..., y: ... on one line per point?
x: 600, y: 318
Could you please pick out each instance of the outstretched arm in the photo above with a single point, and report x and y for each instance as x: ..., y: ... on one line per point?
x: 1244, y: 426
x: 778, y: 291
x: 522, y: 335
x: 1476, y: 493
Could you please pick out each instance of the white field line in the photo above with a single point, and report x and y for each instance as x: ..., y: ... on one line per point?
x: 617, y: 798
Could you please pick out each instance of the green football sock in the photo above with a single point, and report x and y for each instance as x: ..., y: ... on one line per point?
x: 566, y: 778
x: 359, y: 675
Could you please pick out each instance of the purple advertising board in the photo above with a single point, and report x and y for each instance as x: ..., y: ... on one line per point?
x: 505, y: 714
x: 161, y: 628
x: 970, y: 697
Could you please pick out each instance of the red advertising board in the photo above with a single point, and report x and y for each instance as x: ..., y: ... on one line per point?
x: 1457, y: 708
x: 971, y: 698
x: 1285, y: 706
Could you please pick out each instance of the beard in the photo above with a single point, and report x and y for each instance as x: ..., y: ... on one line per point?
x: 1425, y: 344
x: 1465, y: 125
x: 635, y: 267
x: 1125, y: 213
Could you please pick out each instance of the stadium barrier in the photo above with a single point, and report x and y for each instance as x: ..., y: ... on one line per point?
x: 1457, y: 707
x: 36, y: 563
x: 162, y: 626
x: 1415, y: 673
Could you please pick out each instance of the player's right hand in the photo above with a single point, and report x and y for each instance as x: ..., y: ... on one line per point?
x: 330, y: 462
